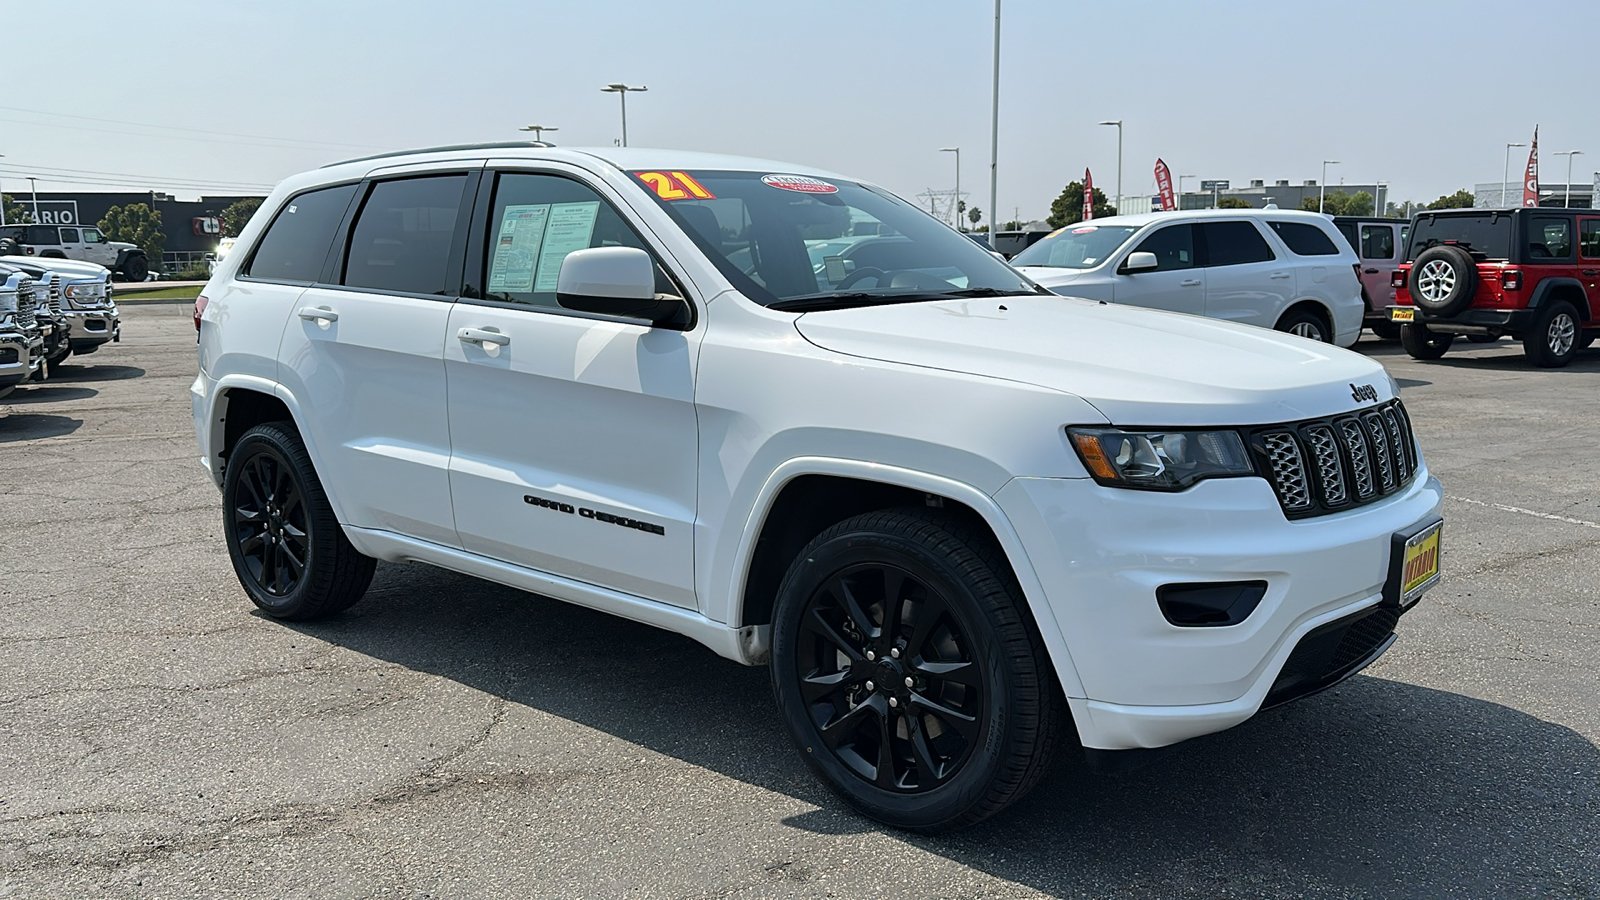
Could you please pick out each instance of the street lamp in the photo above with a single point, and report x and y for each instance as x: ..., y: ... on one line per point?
x: 956, y: 205
x: 33, y: 188
x: 1505, y: 179
x: 1569, y: 154
x: 2, y: 202
x: 994, y: 135
x: 1322, y: 186
x: 538, y: 130
x: 621, y: 90
x: 1377, y: 197
x: 1118, y: 123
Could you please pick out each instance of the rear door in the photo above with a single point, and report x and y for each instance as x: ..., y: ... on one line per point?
x: 1177, y: 283
x: 1589, y: 259
x: 72, y: 242
x: 1245, y: 279
x: 96, y: 249
x: 363, y: 351
x: 1379, y: 247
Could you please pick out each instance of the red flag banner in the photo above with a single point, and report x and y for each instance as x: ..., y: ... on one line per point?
x: 1088, y: 196
x: 1164, y: 185
x: 1530, y: 178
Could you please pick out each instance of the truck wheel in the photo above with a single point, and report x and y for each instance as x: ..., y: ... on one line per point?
x: 1552, y: 341
x: 136, y: 268
x: 288, y: 550
x: 1443, y: 280
x: 1385, y: 330
x: 909, y: 673
x: 1420, y: 343
x: 1307, y: 324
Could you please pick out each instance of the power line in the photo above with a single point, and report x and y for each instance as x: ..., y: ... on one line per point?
x: 256, y: 137
x: 136, y: 186
x: 60, y: 173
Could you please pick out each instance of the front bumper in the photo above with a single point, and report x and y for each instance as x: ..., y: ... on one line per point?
x: 93, y: 327
x: 1101, y: 553
x: 17, y: 359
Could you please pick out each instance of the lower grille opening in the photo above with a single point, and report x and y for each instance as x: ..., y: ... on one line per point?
x: 1210, y: 604
x: 1328, y: 654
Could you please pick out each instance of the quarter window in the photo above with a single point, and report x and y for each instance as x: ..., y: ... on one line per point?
x: 1234, y: 244
x: 296, y: 244
x: 1304, y: 239
x: 539, y: 219
x: 1173, y: 247
x: 1377, y: 242
x: 402, y: 237
x: 1549, y: 238
x: 1589, y: 237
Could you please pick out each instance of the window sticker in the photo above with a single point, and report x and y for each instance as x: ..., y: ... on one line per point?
x: 799, y: 183
x: 674, y: 186
x: 570, y: 227
x: 1086, y: 229
x: 516, y: 250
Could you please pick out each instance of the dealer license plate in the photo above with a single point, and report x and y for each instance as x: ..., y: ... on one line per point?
x: 1419, y: 564
x: 1402, y: 315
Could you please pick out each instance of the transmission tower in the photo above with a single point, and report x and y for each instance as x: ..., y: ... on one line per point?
x: 943, y: 204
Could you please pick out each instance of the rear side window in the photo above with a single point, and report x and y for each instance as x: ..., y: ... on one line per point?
x: 296, y: 244
x: 1377, y: 242
x: 1589, y: 237
x: 401, y: 240
x: 1305, y: 239
x: 1173, y: 247
x: 1234, y: 244
x: 42, y: 234
x: 1549, y: 238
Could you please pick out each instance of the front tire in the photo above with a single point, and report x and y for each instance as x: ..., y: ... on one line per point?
x: 1421, y: 343
x: 287, y: 548
x: 1552, y: 341
x: 909, y: 673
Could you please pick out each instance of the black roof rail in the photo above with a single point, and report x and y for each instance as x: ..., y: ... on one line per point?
x: 447, y: 148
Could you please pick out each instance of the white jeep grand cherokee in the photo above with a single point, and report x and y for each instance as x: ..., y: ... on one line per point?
x: 789, y: 415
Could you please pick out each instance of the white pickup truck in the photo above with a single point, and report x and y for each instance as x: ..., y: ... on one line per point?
x: 80, y: 242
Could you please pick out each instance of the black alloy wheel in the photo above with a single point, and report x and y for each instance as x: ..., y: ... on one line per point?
x: 288, y: 550
x: 908, y: 672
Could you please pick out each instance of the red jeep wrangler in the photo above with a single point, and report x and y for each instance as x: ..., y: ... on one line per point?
x: 1530, y: 273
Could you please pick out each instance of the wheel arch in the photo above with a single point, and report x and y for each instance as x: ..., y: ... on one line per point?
x: 1568, y: 289
x: 242, y: 402
x: 804, y: 496
x: 1316, y: 308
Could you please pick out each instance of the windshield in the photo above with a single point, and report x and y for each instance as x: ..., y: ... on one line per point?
x: 794, y: 242
x: 1081, y: 246
x: 1486, y: 233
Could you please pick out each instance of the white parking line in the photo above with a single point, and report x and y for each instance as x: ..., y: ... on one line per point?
x: 1527, y: 512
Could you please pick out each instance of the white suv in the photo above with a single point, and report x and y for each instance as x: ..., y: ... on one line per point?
x: 960, y: 517
x: 1280, y: 269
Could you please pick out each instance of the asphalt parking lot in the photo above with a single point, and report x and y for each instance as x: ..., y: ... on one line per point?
x: 451, y: 738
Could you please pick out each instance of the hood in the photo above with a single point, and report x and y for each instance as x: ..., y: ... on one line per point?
x: 1137, y: 366
x: 67, y: 267
x: 1050, y: 276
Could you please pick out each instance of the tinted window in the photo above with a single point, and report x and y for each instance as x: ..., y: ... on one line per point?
x: 42, y: 234
x: 1589, y: 237
x: 69, y: 235
x: 539, y: 219
x: 401, y: 239
x: 296, y: 245
x: 1487, y: 233
x: 1549, y: 238
x: 1305, y: 239
x: 1234, y: 243
x: 1080, y: 246
x: 1377, y: 242
x: 1173, y: 247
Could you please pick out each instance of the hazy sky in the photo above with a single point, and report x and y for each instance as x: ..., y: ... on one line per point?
x: 1405, y: 92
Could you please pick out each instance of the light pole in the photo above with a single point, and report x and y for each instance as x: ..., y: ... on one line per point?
x: 538, y: 130
x: 1322, y: 186
x: 1569, y: 154
x: 956, y: 206
x: 2, y: 202
x: 1118, y: 123
x: 33, y: 188
x: 1505, y: 179
x: 621, y: 90
x: 1180, y: 188
x: 1377, y: 197
x: 994, y: 135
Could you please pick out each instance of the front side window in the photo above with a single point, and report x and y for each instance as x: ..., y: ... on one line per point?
x: 799, y: 243
x: 1589, y: 237
x: 1305, y: 239
x: 536, y: 221
x: 1549, y: 238
x: 69, y: 235
x: 1080, y: 246
x: 296, y: 244
x: 1173, y: 247
x: 92, y: 236
x: 1377, y: 242
x: 1234, y: 244
x: 402, y: 236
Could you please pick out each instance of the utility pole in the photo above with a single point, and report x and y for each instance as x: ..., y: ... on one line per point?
x: 994, y: 129
x: 1322, y: 186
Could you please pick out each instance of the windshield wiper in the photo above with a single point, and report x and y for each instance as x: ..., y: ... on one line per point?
x: 994, y: 292
x: 822, y: 302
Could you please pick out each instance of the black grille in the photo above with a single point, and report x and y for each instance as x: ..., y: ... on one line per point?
x: 1333, y: 652
x: 1321, y: 466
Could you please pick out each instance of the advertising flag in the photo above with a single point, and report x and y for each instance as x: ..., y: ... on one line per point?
x: 1164, y: 185
x: 1530, y: 178
x: 1088, y: 196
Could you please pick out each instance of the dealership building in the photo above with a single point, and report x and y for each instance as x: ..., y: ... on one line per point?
x: 192, y: 227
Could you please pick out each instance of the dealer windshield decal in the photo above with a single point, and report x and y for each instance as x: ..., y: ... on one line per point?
x: 675, y: 186
x: 799, y: 183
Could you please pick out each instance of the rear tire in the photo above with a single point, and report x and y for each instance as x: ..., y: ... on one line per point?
x: 1385, y: 330
x: 288, y: 549
x: 136, y: 268
x: 1307, y: 324
x: 1420, y: 343
x: 915, y: 596
x: 1552, y: 341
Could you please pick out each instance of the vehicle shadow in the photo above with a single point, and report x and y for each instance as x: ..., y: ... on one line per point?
x: 1375, y: 788
x: 48, y: 393
x: 31, y: 427
x: 87, y: 372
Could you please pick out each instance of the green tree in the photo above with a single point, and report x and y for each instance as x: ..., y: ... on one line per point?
x: 1068, y: 208
x: 1339, y: 203
x: 136, y: 224
x: 1233, y: 203
x: 16, y: 213
x: 237, y: 215
x: 1458, y: 200
x: 974, y: 215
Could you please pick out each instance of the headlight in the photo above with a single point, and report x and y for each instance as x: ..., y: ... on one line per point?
x: 1160, y: 460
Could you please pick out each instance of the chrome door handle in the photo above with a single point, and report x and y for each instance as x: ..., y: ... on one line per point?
x: 483, y: 336
x: 1193, y: 282
x: 313, y: 313
x: 1281, y: 274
